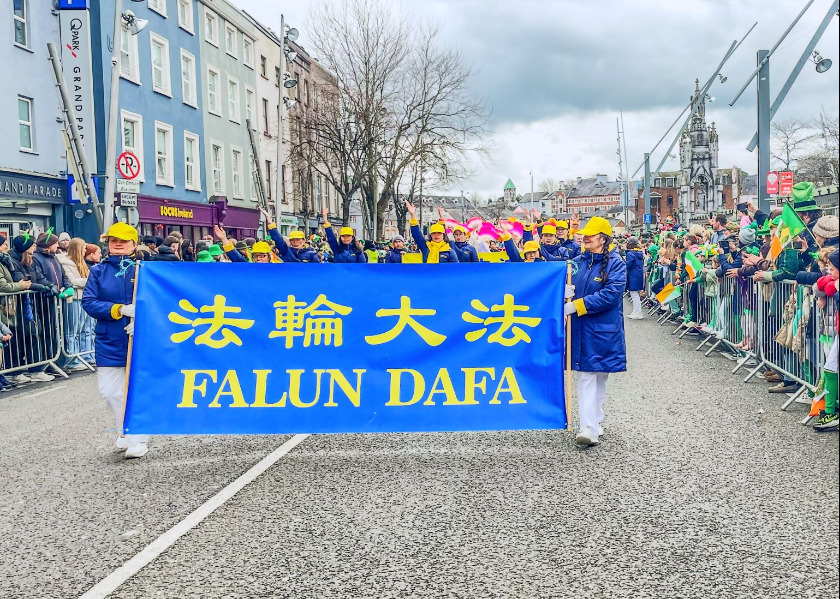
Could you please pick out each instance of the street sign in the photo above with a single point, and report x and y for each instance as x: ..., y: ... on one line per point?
x: 648, y: 219
x: 128, y: 199
x: 785, y: 183
x: 126, y: 186
x: 129, y: 165
x: 773, y: 183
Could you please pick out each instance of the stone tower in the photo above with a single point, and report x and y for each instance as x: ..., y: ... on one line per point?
x: 699, y: 193
x: 510, y: 192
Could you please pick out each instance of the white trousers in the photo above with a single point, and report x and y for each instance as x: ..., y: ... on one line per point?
x: 831, y: 356
x: 112, y: 388
x: 637, y: 302
x: 592, y: 388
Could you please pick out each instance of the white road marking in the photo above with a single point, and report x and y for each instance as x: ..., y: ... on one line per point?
x: 119, y: 576
x: 43, y: 391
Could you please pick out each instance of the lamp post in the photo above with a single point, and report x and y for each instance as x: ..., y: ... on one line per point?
x: 135, y: 25
x: 284, y: 82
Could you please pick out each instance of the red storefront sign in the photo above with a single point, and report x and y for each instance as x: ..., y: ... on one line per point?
x: 773, y: 183
x: 785, y: 183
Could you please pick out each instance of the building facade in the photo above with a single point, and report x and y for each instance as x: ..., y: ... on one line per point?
x: 593, y: 195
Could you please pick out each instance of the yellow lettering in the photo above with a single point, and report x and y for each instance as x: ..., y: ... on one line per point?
x: 230, y: 386
x: 470, y: 383
x: 259, y: 392
x: 353, y: 394
x: 188, y: 396
x: 445, y: 388
x: 396, y: 377
x: 512, y: 388
x: 294, y: 388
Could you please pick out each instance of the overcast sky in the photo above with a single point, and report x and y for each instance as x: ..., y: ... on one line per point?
x: 557, y: 72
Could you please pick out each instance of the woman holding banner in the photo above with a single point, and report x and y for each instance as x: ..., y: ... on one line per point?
x: 598, y: 346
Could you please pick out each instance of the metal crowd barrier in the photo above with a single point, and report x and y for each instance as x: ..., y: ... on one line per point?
x: 78, y: 332
x: 34, y: 322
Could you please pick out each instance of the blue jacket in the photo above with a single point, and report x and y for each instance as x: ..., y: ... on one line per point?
x: 417, y: 234
x: 465, y: 252
x: 513, y: 252
x: 104, y: 293
x: 551, y: 253
x: 635, y: 270
x: 51, y: 269
x: 394, y: 256
x: 598, y: 326
x: 344, y: 253
x: 288, y: 253
x: 572, y: 247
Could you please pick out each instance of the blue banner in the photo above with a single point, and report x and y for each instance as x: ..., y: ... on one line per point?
x: 303, y: 348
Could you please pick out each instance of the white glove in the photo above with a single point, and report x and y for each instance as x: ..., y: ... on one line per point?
x: 129, y: 328
x: 569, y: 309
x: 127, y: 310
x: 570, y: 291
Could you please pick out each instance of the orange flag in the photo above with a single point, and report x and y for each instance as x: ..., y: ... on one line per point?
x: 775, y: 247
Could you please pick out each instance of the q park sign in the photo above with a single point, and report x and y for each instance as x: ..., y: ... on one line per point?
x: 128, y: 165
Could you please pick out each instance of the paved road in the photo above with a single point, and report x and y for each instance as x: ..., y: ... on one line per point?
x: 702, y: 488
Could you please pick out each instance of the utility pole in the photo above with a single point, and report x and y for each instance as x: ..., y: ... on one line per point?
x: 647, y: 190
x: 113, y: 115
x: 463, y: 207
x: 281, y: 108
x: 763, y: 92
x: 621, y: 174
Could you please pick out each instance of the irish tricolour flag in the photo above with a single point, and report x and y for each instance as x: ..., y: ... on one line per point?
x: 692, y: 265
x: 668, y: 293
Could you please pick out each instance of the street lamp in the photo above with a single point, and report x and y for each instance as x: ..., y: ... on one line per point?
x: 721, y: 78
x: 823, y: 64
x: 134, y: 26
x: 290, y: 34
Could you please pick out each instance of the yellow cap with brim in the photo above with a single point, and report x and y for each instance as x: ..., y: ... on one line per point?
x: 595, y: 226
x: 297, y: 235
x: 346, y: 231
x: 531, y: 246
x: 261, y: 247
x: 549, y: 230
x: 437, y: 228
x: 563, y: 224
x: 122, y: 231
x: 459, y: 228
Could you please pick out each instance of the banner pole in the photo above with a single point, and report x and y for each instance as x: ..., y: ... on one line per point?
x: 130, y: 345
x: 568, y: 369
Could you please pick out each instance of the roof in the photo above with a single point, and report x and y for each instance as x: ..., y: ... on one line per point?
x: 595, y: 187
x: 510, y: 185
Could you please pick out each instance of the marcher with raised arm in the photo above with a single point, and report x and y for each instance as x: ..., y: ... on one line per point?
x: 435, y: 251
x: 295, y: 250
x: 345, y: 249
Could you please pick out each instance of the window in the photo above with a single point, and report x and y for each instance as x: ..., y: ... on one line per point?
x: 161, y: 79
x: 265, y: 117
x: 159, y: 6
x: 211, y: 27
x: 283, y: 183
x: 164, y: 160
x: 306, y: 89
x: 217, y: 151
x: 191, y: 165
x: 230, y: 40
x: 297, y: 87
x: 669, y: 181
x: 318, y: 192
x: 132, y: 128
x: 276, y: 76
x: 188, y: 78
x: 233, y: 100
x: 236, y: 171
x: 249, y: 107
x: 263, y: 64
x: 248, y: 52
x: 213, y: 102
x: 657, y: 182
x: 27, y: 140
x: 268, y: 178
x: 129, y: 63
x: 185, y: 15
x: 20, y: 14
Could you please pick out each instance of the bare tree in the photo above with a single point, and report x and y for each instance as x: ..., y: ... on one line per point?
x: 549, y: 185
x: 789, y: 140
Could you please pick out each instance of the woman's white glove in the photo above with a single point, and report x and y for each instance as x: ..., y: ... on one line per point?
x: 129, y: 328
x: 570, y: 291
x: 127, y: 310
x: 569, y: 309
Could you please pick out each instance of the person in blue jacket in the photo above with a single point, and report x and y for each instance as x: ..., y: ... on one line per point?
x: 109, y: 298
x: 598, y: 346
x: 635, y: 260
x: 571, y: 246
x: 530, y: 251
x: 549, y: 248
x: 463, y: 249
x: 436, y: 250
x: 295, y: 250
x: 345, y: 249
x: 395, y: 254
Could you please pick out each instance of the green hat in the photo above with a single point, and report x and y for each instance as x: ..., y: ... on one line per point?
x: 776, y: 221
x: 765, y: 228
x: 204, y: 256
x: 803, y: 197
x: 215, y: 250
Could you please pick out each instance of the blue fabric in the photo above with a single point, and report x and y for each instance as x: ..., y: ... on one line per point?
x: 447, y: 257
x: 465, y: 252
x: 512, y: 251
x: 234, y: 256
x: 635, y: 270
x: 344, y: 253
x: 572, y: 247
x: 104, y: 289
x: 231, y: 361
x: 394, y: 256
x: 290, y: 254
x: 598, y: 336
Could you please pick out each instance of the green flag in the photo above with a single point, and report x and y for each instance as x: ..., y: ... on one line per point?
x: 792, y: 221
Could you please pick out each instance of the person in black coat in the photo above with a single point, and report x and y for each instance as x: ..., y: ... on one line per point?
x: 168, y: 250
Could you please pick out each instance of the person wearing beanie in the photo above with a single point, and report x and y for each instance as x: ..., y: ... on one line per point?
x: 63, y: 242
x: 108, y: 297
x: 747, y: 236
x: 395, y: 255
x: 46, y: 260
x: 345, y: 249
x: 370, y: 252
x: 435, y: 251
x: 826, y: 232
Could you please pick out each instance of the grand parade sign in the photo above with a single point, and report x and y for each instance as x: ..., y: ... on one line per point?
x: 301, y: 348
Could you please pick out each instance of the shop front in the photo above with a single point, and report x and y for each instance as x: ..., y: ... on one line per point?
x: 28, y: 202
x: 160, y: 217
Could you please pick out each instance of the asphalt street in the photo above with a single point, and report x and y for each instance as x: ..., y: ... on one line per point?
x: 701, y: 488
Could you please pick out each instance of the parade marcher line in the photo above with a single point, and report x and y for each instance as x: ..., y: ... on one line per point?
x: 122, y: 574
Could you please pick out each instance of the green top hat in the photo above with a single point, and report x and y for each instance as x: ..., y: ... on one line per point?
x: 803, y: 197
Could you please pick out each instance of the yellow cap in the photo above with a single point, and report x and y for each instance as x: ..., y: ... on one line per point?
x: 346, y: 231
x: 296, y: 235
x: 549, y: 230
x: 437, y: 228
x: 261, y: 247
x: 597, y: 225
x: 122, y: 231
x: 459, y: 228
x: 563, y: 224
x: 531, y: 246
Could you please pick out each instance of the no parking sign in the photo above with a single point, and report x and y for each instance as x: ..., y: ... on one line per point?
x: 128, y: 165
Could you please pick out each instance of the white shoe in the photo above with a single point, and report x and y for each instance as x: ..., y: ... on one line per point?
x: 635, y: 316
x: 587, y: 437
x: 136, y: 450
x: 22, y: 379
x: 122, y: 443
x: 42, y: 377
